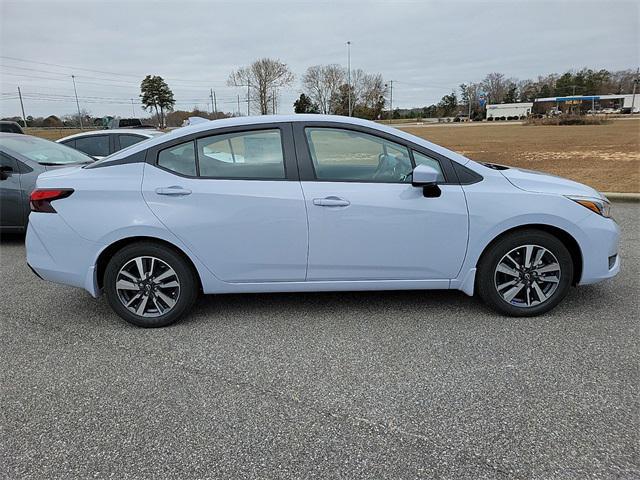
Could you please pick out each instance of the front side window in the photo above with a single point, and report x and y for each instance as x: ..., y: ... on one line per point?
x: 94, y: 145
x: 345, y: 155
x: 180, y: 159
x: 421, y: 159
x: 255, y: 154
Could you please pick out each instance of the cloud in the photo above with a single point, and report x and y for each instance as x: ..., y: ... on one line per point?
x: 427, y: 47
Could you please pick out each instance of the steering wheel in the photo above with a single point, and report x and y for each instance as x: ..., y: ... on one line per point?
x: 390, y: 168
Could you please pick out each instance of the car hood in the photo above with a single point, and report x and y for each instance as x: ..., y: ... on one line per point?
x: 540, y: 182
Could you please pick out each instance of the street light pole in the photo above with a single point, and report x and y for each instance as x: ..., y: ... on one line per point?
x: 349, y: 73
x: 133, y: 109
x: 73, y: 77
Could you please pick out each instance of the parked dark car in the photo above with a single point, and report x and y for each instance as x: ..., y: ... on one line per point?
x: 22, y: 159
x: 8, y: 126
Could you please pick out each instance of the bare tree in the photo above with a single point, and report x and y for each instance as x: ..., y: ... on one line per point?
x: 322, y: 83
x: 496, y: 86
x: 263, y: 78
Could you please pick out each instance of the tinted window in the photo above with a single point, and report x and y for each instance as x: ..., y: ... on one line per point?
x: 255, y: 154
x: 421, y: 159
x: 94, y: 145
x: 128, y: 140
x: 69, y: 143
x: 7, y: 161
x: 344, y: 155
x: 180, y: 159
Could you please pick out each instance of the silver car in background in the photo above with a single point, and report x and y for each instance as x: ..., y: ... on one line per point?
x: 22, y: 159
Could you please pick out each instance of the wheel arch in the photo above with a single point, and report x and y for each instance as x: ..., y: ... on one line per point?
x: 109, y: 251
x: 565, y: 237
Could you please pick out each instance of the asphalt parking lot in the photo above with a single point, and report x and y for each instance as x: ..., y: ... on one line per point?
x: 331, y: 385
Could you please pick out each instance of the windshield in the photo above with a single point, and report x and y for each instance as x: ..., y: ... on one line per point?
x: 43, y: 151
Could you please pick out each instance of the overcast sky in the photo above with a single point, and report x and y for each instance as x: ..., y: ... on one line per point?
x: 426, y: 47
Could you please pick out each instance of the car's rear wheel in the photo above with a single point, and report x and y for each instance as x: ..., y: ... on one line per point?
x: 150, y: 285
x: 525, y: 273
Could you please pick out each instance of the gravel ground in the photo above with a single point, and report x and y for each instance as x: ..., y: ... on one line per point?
x: 331, y: 385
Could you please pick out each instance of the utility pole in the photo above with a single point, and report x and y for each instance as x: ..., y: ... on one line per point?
x: 24, y: 119
x: 214, y: 103
x: 349, y: 72
x: 633, y: 98
x: 133, y: 108
x: 391, y: 101
x: 248, y: 94
x: 273, y: 102
x: 238, y: 104
x: 73, y: 77
x: 469, y: 100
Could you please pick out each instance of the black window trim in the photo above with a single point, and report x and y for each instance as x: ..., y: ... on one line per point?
x: 305, y: 162
x: 286, y: 139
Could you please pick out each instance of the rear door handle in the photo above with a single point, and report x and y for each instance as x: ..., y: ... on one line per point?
x: 173, y: 190
x: 331, y: 202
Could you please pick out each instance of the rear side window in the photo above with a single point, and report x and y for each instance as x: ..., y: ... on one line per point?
x: 69, y: 143
x: 179, y: 159
x: 94, y: 145
x: 255, y: 154
x: 128, y: 140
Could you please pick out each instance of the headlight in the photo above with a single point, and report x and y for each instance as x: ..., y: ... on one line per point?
x: 599, y: 206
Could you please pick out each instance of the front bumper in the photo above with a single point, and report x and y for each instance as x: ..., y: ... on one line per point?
x: 602, y: 237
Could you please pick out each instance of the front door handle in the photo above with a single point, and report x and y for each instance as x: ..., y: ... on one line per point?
x: 331, y: 202
x: 173, y: 190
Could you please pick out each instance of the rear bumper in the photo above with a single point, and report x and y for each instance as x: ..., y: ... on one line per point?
x: 65, y: 258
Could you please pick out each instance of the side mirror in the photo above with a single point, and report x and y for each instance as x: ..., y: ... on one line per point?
x: 5, y: 172
x: 426, y: 177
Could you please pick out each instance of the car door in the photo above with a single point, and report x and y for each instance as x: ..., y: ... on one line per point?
x: 233, y: 197
x: 366, y: 220
x: 11, y: 204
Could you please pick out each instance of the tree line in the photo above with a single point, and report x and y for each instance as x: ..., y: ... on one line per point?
x: 331, y: 89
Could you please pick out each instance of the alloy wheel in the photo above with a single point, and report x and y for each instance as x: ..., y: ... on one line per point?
x: 147, y: 286
x: 527, y: 276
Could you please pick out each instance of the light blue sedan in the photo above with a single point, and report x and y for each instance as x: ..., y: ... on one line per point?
x: 312, y: 203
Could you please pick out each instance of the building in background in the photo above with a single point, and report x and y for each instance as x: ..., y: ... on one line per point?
x: 508, y: 111
x: 581, y: 104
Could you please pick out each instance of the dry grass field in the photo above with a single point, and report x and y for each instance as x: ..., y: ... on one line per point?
x: 53, y: 133
x: 606, y: 157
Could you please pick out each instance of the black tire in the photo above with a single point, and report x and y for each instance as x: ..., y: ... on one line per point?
x: 487, y: 277
x: 184, y: 273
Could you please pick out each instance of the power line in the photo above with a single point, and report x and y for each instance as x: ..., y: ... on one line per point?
x: 118, y: 74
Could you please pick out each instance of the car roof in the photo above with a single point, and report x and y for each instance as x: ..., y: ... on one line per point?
x: 149, y: 133
x: 295, y: 118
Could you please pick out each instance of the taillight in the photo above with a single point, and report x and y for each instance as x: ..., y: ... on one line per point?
x: 40, y: 199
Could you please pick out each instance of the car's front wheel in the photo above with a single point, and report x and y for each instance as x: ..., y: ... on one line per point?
x: 150, y: 285
x: 525, y: 273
